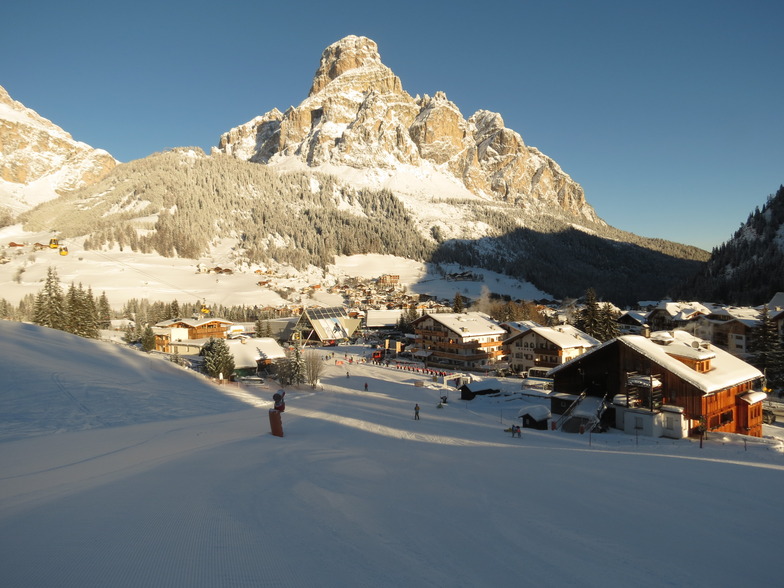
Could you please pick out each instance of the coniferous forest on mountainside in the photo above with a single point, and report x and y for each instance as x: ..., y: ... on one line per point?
x: 748, y: 269
x: 179, y: 202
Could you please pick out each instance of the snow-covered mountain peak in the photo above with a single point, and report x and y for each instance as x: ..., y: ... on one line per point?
x: 40, y: 160
x: 357, y: 115
x: 357, y: 59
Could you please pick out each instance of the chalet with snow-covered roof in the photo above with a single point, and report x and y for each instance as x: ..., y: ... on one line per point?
x: 515, y: 327
x: 250, y: 355
x: 730, y: 328
x: 670, y: 315
x: 198, y: 328
x: 382, y: 319
x: 668, y: 378
x: 462, y: 341
x: 632, y: 322
x: 546, y: 347
x: 188, y: 334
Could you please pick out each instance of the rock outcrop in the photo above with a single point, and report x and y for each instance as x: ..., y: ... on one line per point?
x: 33, y: 150
x: 358, y: 115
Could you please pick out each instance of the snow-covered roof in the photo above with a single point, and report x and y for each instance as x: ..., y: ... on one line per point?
x: 684, y: 310
x: 247, y: 352
x: 468, y: 324
x: 192, y: 322
x: 520, y: 326
x: 577, y: 334
x: 538, y: 412
x: 777, y: 302
x: 637, y: 315
x: 726, y: 369
x: 382, y: 318
x: 754, y: 397
x: 563, y: 336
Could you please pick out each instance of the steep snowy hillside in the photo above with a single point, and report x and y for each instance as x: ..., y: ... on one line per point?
x: 748, y: 269
x: 180, y: 203
x: 125, y: 471
x: 40, y: 160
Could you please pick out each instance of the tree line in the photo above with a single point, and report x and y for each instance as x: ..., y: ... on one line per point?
x: 75, y: 311
x: 749, y: 268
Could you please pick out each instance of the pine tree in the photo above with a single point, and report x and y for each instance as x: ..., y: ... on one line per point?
x: 218, y: 358
x: 766, y: 346
x: 608, y: 325
x: 104, y: 312
x: 775, y: 373
x: 298, y: 368
x: 406, y: 320
x: 49, y: 308
x: 148, y: 339
x: 283, y: 371
x: 458, y: 304
x: 72, y: 310
x: 589, y: 318
x: 91, y: 323
x: 130, y: 335
x: 263, y: 328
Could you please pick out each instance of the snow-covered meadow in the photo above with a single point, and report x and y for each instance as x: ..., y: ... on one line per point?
x: 120, y: 469
x: 123, y: 275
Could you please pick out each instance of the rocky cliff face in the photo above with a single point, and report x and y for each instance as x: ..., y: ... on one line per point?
x: 39, y: 160
x: 358, y: 115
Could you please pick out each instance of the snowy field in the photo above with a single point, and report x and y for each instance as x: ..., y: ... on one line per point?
x: 120, y: 469
x: 124, y: 275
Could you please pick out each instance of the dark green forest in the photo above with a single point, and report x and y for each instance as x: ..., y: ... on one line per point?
x: 748, y: 269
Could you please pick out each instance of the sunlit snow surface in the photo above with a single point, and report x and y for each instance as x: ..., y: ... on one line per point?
x: 119, y: 469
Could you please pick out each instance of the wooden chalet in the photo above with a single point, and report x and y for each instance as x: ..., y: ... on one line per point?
x: 181, y: 330
x: 632, y: 322
x: 711, y: 388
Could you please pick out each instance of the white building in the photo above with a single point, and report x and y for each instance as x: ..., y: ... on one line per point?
x: 464, y: 341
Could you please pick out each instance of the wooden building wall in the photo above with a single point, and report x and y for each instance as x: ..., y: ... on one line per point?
x: 604, y: 372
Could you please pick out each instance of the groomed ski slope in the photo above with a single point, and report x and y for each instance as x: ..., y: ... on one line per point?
x: 192, y: 490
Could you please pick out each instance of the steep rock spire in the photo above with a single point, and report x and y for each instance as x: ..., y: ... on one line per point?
x: 358, y: 115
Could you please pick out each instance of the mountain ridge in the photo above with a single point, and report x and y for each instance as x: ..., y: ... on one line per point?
x: 362, y: 167
x: 748, y: 267
x: 357, y: 114
x: 40, y: 160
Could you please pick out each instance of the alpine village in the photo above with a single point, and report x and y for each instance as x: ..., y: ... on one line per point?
x: 629, y: 334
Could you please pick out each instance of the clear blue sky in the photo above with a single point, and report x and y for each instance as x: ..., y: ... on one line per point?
x: 670, y: 114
